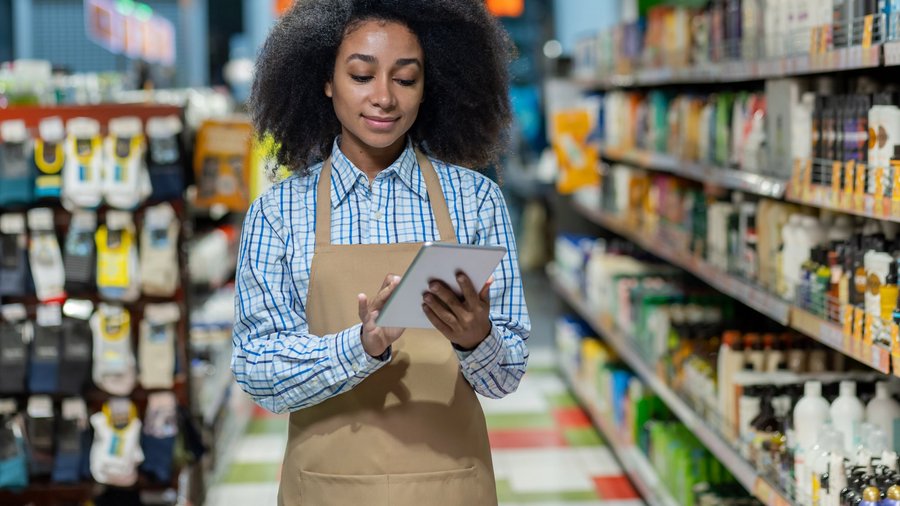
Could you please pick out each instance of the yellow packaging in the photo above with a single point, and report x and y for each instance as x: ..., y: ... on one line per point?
x: 578, y: 160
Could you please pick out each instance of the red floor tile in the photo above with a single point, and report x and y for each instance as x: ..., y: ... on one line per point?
x: 571, y: 418
x: 615, y: 487
x: 526, y: 438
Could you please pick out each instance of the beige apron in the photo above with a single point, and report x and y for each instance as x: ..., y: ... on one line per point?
x: 411, y: 434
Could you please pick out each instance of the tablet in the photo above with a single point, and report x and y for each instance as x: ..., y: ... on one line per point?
x: 436, y: 261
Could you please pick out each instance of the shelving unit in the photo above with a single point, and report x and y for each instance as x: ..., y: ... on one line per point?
x: 838, y: 60
x: 771, y: 305
x: 633, y: 462
x: 748, y: 477
x: 758, y: 184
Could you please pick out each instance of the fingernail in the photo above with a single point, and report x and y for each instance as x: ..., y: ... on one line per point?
x: 460, y: 278
x: 433, y: 287
x: 427, y: 297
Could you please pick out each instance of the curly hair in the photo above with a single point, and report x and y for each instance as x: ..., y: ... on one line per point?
x: 466, y: 111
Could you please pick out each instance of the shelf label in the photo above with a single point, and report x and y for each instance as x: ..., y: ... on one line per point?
x: 767, y: 494
x: 867, y: 31
x: 836, y: 169
x: 849, y: 184
x: 869, y: 330
x: 859, y: 189
x: 847, y: 318
x: 878, y: 210
x: 859, y: 318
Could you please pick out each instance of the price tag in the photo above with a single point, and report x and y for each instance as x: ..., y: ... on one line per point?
x: 879, y: 192
x: 869, y: 330
x: 884, y: 359
x: 859, y: 319
x: 836, y: 169
x: 867, y: 31
x: 847, y: 319
x: 859, y: 189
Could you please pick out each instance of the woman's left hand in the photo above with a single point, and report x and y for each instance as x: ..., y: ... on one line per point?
x: 465, y: 320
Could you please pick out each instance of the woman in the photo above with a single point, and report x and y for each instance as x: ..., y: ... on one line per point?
x: 391, y: 94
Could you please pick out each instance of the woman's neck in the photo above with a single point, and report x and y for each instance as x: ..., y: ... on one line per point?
x: 368, y: 159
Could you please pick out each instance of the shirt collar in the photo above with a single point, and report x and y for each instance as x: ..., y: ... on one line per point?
x: 345, y: 175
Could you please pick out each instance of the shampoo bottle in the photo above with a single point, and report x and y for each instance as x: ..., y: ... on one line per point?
x: 882, y: 411
x: 810, y: 416
x: 847, y: 412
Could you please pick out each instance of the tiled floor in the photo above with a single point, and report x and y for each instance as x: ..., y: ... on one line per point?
x: 545, y: 451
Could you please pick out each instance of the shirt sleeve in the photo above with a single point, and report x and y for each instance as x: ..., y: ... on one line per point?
x: 495, y: 367
x: 275, y: 359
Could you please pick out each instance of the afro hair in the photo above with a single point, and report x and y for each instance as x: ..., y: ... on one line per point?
x: 466, y: 111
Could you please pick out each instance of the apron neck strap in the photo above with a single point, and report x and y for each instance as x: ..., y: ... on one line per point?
x: 432, y: 185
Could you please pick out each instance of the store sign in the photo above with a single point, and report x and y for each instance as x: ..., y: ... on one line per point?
x: 130, y: 28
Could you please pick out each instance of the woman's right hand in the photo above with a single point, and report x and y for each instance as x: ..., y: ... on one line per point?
x: 375, y: 339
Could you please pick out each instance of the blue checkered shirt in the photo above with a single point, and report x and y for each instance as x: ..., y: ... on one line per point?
x: 275, y: 358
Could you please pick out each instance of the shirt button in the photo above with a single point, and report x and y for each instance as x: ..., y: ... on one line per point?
x: 378, y: 215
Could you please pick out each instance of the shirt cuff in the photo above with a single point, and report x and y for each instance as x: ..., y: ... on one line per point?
x: 353, y: 354
x: 483, y: 354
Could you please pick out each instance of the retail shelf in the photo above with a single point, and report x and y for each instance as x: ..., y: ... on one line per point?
x: 771, y: 305
x: 835, y: 337
x: 837, y: 60
x: 634, y: 463
x: 867, y: 206
x: 49, y: 494
x: 724, y: 451
x: 758, y: 184
x: 32, y: 115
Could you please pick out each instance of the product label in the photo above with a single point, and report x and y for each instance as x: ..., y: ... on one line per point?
x: 859, y: 318
x: 869, y: 330
x: 879, y: 191
x: 867, y: 31
x: 860, y: 187
x: 847, y: 319
x: 849, y: 183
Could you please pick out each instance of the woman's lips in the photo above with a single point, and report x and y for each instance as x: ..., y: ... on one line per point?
x: 377, y: 123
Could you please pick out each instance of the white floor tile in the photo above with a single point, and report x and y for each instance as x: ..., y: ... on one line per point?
x: 597, y: 461
x: 260, y: 448
x: 547, y: 470
x: 524, y: 400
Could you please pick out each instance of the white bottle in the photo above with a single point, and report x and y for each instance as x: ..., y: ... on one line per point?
x: 790, y: 258
x: 882, y: 411
x: 829, y: 441
x: 847, y: 412
x: 810, y: 416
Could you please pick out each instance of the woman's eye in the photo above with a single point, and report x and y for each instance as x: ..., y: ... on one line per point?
x: 406, y: 82
x: 361, y: 79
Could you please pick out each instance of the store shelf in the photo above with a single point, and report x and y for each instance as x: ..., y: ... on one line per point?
x: 758, y: 184
x: 776, y: 308
x: 833, y: 336
x: 837, y: 60
x: 867, y: 206
x: 634, y: 463
x: 724, y: 451
x: 760, y: 300
x: 892, y: 53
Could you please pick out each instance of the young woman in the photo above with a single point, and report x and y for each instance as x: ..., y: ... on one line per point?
x: 392, y: 95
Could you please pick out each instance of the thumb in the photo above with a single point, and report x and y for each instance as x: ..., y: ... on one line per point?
x: 485, y: 293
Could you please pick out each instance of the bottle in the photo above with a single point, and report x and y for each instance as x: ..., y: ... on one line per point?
x: 823, y: 281
x: 775, y: 356
x: 847, y: 412
x: 871, y: 497
x: 810, y: 415
x: 754, y: 353
x: 829, y: 441
x: 889, y: 292
x: 766, y: 428
x: 796, y: 354
x: 893, y: 496
x: 882, y: 411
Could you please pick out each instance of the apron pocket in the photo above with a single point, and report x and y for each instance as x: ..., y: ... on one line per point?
x: 452, y: 488
x: 317, y: 489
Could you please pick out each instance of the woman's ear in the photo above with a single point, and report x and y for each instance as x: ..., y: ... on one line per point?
x: 329, y: 91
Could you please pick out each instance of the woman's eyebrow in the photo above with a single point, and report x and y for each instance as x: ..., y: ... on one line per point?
x: 364, y: 57
x: 402, y: 62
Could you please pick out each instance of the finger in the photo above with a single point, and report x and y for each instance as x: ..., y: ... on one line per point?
x: 470, y: 296
x: 446, y: 295
x: 486, y: 290
x: 385, y: 293
x: 363, y: 302
x: 435, y: 320
x: 441, y: 310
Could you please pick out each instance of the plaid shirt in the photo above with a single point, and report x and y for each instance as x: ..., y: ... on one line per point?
x: 275, y: 358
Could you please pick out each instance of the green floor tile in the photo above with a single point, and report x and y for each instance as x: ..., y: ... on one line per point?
x: 546, y: 370
x: 520, y: 421
x: 267, y: 426
x: 252, y: 472
x: 505, y: 493
x: 563, y: 400
x: 583, y: 437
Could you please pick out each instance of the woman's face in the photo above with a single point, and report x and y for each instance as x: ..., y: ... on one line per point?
x: 378, y: 84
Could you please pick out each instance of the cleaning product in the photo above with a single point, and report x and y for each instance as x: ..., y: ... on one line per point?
x: 49, y: 158
x: 847, y: 412
x: 83, y: 170
x: 889, y: 292
x: 126, y: 182
x: 882, y: 411
x: 16, y: 178
x: 810, y: 417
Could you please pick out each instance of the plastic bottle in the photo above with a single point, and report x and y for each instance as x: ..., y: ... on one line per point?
x: 812, y: 413
x: 889, y: 292
x: 847, y: 412
x: 882, y: 410
x: 893, y: 497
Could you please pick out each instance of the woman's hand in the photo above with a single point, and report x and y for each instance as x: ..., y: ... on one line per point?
x: 465, y: 320
x: 375, y: 339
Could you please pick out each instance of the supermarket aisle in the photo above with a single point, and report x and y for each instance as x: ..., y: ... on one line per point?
x: 546, y: 453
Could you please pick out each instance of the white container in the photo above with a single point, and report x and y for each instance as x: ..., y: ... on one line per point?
x: 877, y: 265
x: 882, y: 411
x: 847, y: 412
x: 810, y: 416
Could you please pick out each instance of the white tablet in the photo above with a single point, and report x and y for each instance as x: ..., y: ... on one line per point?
x: 439, y: 261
